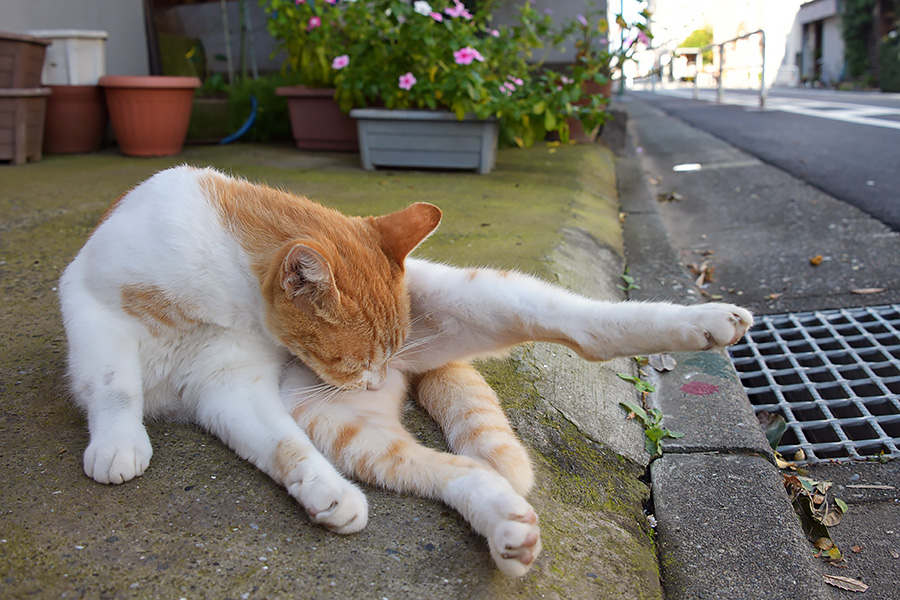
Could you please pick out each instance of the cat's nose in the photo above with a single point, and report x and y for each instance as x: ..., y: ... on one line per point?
x: 374, y: 381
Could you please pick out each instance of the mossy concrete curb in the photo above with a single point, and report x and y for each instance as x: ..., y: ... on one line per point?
x: 201, y: 523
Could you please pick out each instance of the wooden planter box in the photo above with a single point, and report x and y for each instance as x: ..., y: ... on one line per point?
x: 21, y: 60
x: 425, y: 139
x: 22, y: 123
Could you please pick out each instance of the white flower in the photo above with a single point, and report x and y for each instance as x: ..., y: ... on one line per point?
x: 422, y: 7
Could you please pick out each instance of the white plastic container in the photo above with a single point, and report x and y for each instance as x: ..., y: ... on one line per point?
x: 76, y: 56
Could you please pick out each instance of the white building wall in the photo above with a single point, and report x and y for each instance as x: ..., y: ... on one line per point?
x: 123, y: 20
x: 832, y: 51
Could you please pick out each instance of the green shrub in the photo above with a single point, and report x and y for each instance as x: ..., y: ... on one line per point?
x: 889, y: 64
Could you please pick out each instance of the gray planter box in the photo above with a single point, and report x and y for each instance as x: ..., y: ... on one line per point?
x: 425, y: 139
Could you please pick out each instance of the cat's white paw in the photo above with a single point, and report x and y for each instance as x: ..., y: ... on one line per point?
x: 716, y: 325
x: 329, y: 500
x: 516, y: 539
x: 118, y: 458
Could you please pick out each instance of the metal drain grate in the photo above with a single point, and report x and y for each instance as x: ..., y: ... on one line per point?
x: 833, y: 375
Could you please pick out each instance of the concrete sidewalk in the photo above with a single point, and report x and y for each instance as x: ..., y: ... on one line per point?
x: 725, y: 529
x: 201, y: 523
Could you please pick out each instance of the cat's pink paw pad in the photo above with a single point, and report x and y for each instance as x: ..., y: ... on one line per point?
x: 516, y: 542
x: 119, y: 460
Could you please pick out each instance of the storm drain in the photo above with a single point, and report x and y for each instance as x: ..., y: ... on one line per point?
x: 833, y: 375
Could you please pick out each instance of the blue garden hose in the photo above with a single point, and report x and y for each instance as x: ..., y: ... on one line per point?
x: 246, y: 126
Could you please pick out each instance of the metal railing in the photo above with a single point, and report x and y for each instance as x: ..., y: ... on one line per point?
x: 721, y: 77
x: 657, y: 72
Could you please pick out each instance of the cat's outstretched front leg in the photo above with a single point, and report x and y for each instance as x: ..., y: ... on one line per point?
x: 361, y: 433
x: 460, y: 313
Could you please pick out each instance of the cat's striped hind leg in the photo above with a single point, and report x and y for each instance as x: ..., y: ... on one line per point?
x: 459, y: 399
x: 361, y: 433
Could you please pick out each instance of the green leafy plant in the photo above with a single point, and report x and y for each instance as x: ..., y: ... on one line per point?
x: 639, y: 384
x: 857, y: 20
x: 439, y: 55
x: 628, y: 281
x: 592, y: 49
x: 654, y: 432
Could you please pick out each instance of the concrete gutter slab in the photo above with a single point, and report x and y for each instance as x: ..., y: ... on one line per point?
x: 727, y: 531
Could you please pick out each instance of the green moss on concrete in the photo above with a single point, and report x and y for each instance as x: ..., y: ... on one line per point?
x: 583, y: 490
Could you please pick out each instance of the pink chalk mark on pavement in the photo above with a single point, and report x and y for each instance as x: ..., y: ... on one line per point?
x: 699, y: 388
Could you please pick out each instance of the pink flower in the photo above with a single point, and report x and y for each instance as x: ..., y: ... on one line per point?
x: 582, y: 20
x: 331, y: 1
x: 406, y: 81
x: 465, y: 56
x: 458, y: 10
x: 495, y: 32
x: 313, y: 23
x: 340, y: 62
x: 299, y: 1
x: 516, y: 80
x: 437, y: 17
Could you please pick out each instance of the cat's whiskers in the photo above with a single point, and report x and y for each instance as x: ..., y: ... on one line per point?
x: 412, y: 347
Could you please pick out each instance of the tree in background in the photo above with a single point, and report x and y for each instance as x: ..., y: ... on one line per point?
x: 701, y: 38
x: 858, y: 19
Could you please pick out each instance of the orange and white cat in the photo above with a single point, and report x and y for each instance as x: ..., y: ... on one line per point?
x: 197, y: 292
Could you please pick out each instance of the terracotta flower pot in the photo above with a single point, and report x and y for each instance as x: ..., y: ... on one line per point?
x: 317, y: 121
x: 76, y: 119
x: 150, y: 115
x: 576, y: 131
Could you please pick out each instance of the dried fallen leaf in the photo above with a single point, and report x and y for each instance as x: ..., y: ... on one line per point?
x: 667, y: 197
x: 895, y: 554
x: 775, y: 296
x: 824, y: 543
x: 846, y: 583
x: 856, y: 549
x: 816, y: 260
x: 662, y: 362
x: 866, y: 290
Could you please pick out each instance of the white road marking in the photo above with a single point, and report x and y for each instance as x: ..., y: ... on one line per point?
x: 861, y: 114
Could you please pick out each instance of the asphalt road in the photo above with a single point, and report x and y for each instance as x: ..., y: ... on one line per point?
x: 844, y: 143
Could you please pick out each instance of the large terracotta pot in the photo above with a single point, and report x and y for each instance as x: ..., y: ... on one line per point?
x: 76, y: 119
x: 576, y: 131
x: 317, y: 121
x: 149, y: 115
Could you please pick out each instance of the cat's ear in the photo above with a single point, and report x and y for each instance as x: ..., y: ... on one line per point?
x: 403, y: 230
x: 306, y: 276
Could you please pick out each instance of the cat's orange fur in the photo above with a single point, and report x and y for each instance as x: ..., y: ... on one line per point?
x: 352, y: 306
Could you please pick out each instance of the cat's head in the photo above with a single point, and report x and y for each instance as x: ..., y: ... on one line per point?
x: 339, y: 302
